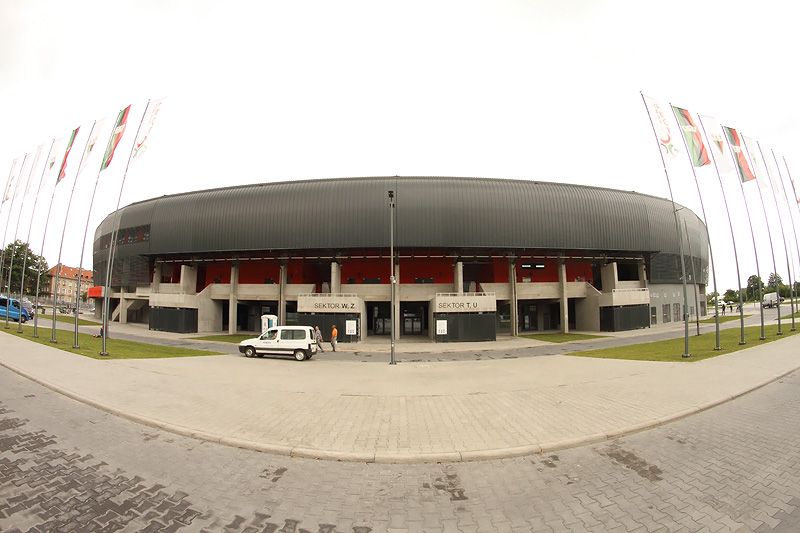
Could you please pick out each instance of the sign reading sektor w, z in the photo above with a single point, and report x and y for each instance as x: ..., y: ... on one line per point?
x: 328, y: 303
x: 464, y: 303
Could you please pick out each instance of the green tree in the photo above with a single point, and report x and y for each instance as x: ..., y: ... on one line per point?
x: 753, y: 284
x: 775, y: 281
x: 18, y: 250
x: 730, y: 296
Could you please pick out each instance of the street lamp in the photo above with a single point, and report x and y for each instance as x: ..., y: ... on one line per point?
x: 391, y: 274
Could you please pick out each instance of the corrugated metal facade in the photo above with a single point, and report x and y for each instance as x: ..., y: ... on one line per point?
x: 432, y: 212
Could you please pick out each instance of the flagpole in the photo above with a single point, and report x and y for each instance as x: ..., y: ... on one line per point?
x: 678, y: 233
x: 752, y: 235
x: 769, y: 236
x: 791, y: 219
x: 742, y: 340
x: 694, y: 278
x: 63, y: 233
x: 10, y: 208
x: 39, y: 267
x: 16, y: 232
x: 28, y: 238
x: 114, y: 229
x: 710, y: 248
x: 783, y: 234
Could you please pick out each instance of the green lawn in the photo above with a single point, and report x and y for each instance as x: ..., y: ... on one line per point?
x: 90, y: 346
x: 562, y: 337
x: 726, y: 318
x: 700, y: 347
x: 233, y: 339
x: 70, y: 320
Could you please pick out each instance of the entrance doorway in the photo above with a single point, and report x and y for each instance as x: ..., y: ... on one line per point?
x: 379, y: 321
x: 528, y: 316
x: 414, y: 318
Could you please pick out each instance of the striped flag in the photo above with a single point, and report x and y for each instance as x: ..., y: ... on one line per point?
x: 63, y: 172
x: 149, y: 118
x: 116, y: 137
x: 697, y: 150
x: 662, y: 127
x: 735, y: 142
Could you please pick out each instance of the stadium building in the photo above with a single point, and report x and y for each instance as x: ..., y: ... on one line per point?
x: 474, y: 258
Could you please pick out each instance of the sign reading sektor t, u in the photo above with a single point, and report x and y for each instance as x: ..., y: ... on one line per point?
x: 464, y: 303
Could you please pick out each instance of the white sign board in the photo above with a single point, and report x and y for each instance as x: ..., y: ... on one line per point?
x: 441, y: 327
x: 464, y: 303
x: 328, y: 303
x: 350, y: 327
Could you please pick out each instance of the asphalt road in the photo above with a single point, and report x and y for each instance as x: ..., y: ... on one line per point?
x: 65, y: 466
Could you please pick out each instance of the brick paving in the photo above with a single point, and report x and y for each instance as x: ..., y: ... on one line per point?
x: 65, y: 466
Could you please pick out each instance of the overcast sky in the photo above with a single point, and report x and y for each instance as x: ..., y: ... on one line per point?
x: 268, y: 91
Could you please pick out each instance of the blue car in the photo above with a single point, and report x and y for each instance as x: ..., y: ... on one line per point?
x: 15, y: 312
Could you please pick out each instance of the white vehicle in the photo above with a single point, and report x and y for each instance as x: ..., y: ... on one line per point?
x: 297, y: 341
x: 771, y: 299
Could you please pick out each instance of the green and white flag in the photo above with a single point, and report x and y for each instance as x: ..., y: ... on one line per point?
x: 116, y: 136
x: 91, y: 143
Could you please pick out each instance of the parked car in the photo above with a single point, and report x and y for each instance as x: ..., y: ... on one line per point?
x: 14, y: 311
x: 771, y: 299
x: 297, y: 341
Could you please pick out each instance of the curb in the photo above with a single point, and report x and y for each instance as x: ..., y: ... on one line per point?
x: 386, y: 457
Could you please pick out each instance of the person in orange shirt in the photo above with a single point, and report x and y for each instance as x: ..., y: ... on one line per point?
x: 334, y: 337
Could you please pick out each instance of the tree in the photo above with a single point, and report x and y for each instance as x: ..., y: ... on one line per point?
x: 711, y: 296
x: 775, y: 281
x: 19, y: 250
x: 754, y: 284
x: 730, y: 296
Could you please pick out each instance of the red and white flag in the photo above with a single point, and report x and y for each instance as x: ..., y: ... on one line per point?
x: 62, y: 173
x: 7, y: 190
x: 99, y: 125
x: 664, y: 129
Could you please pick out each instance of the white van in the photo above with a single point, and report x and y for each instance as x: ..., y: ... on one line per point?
x: 282, y: 340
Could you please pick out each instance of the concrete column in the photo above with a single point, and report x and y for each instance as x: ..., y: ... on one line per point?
x: 188, y: 279
x: 643, y: 274
x: 282, y: 295
x: 512, y: 280
x: 459, y: 277
x: 156, y: 285
x: 233, y: 300
x: 608, y: 276
x: 336, y: 278
x: 562, y: 282
x: 123, y: 307
x: 397, y: 317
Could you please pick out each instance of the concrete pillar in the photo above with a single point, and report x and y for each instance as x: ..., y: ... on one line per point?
x: 459, y: 277
x: 336, y: 278
x: 188, y: 279
x: 512, y: 280
x: 643, y: 274
x: 608, y: 276
x: 282, y: 295
x: 562, y: 282
x: 233, y: 300
x: 156, y: 285
x: 123, y: 307
x: 397, y: 317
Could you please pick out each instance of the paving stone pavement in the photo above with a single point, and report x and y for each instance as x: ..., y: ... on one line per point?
x: 65, y: 466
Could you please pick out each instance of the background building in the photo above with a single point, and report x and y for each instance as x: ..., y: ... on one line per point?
x: 476, y: 257
x: 64, y: 293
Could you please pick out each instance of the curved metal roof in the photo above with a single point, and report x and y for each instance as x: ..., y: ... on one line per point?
x: 432, y: 212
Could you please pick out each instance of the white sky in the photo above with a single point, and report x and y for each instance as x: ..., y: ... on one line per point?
x: 268, y: 91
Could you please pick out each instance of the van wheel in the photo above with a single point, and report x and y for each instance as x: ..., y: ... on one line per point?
x: 249, y: 351
x: 22, y: 320
x: 300, y: 355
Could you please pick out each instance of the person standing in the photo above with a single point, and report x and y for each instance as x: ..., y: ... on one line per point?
x: 318, y: 338
x: 334, y: 337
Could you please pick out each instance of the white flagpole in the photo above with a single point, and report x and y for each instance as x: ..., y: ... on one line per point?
x: 16, y: 232
x: 742, y: 340
x: 63, y: 233
x: 5, y: 191
x: 752, y: 233
x: 115, y: 228
x: 28, y: 238
x: 39, y: 266
x: 680, y: 237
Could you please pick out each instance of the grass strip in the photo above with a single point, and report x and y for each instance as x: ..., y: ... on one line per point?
x: 233, y: 339
x: 562, y: 337
x: 68, y: 319
x: 91, y: 346
x: 727, y: 318
x: 700, y: 346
